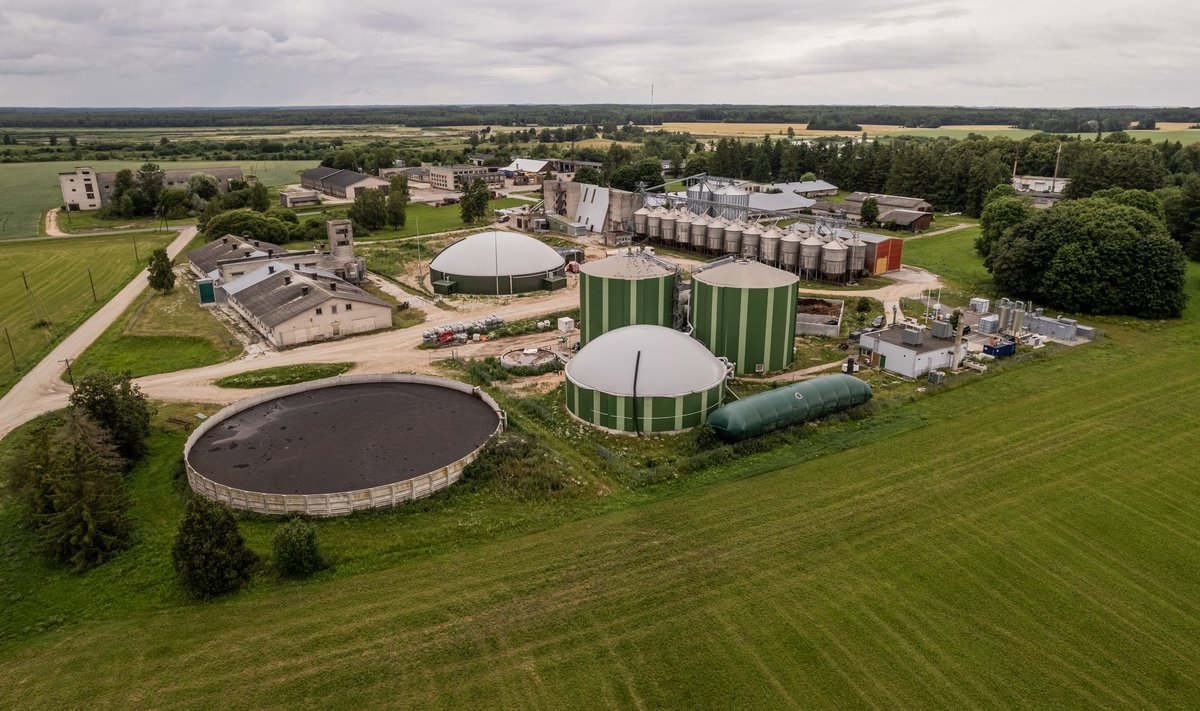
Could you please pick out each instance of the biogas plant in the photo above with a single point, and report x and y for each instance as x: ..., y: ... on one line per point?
x: 657, y: 351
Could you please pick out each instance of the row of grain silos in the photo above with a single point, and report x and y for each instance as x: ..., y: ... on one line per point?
x: 799, y: 248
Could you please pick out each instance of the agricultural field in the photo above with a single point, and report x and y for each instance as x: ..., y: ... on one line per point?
x: 59, y: 291
x: 27, y: 190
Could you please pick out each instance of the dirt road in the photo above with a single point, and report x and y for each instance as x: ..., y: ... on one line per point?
x: 42, y: 388
x: 909, y: 283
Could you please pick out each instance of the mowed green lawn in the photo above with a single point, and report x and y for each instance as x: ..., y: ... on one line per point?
x: 27, y: 190
x: 1027, y: 540
x: 57, y: 273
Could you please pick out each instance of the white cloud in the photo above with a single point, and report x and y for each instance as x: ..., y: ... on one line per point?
x: 220, y: 52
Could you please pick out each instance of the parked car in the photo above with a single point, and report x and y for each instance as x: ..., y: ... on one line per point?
x: 877, y: 322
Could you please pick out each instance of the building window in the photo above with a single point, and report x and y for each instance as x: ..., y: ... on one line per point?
x: 318, y: 311
x: 333, y: 309
x: 349, y: 306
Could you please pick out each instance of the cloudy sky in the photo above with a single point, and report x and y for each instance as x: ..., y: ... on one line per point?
x: 306, y: 52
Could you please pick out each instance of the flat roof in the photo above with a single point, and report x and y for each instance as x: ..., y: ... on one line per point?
x: 895, y: 337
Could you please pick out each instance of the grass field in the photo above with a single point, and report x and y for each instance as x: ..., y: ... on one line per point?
x: 1023, y: 539
x: 29, y: 189
x: 57, y: 271
x: 283, y: 375
x: 160, y: 333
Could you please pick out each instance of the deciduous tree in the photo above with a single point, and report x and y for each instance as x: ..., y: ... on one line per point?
x: 161, y: 271
x: 209, y: 552
x: 117, y: 405
x: 369, y: 209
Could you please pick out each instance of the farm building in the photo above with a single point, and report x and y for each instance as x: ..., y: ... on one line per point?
x: 231, y: 256
x: 346, y: 184
x: 85, y: 189
x: 497, y: 262
x: 298, y: 197
x: 1042, y: 190
x: 899, y: 218
x: 291, y: 306
x: 883, y: 252
x: 745, y: 312
x: 806, y: 188
x: 910, y: 352
x: 458, y: 177
x: 625, y: 290
x: 644, y: 379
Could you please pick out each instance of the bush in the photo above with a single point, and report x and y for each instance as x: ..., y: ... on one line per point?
x: 297, y: 554
x: 210, y: 553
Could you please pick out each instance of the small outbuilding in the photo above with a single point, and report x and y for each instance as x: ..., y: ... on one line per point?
x: 909, y: 352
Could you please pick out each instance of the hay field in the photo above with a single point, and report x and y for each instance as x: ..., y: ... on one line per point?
x: 1167, y: 131
x: 57, y: 271
x: 1029, y: 540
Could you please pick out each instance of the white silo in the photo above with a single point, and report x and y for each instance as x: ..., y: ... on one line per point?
x: 789, y: 250
x: 716, y: 235
x: 700, y: 231
x: 667, y: 226
x: 639, y: 220
x: 833, y: 260
x: 858, y: 255
x: 768, y: 247
x: 733, y: 237
x: 683, y: 227
x: 810, y: 254
x: 750, y: 240
x: 654, y: 223
x: 735, y: 202
x: 699, y: 191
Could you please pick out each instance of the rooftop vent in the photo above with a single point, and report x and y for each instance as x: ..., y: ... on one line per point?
x: 913, y: 337
x: 333, y: 286
x: 304, y: 290
x: 287, y: 280
x: 270, y: 269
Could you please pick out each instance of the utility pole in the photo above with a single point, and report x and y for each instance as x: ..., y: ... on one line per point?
x: 70, y: 375
x: 958, y: 334
x: 11, y: 352
x: 420, y: 269
x: 1057, y: 158
x: 92, y: 284
x: 136, y: 258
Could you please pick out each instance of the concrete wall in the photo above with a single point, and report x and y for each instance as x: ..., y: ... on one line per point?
x: 334, y: 321
x: 339, y: 503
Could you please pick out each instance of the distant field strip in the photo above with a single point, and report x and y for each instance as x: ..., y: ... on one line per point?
x: 1030, y: 540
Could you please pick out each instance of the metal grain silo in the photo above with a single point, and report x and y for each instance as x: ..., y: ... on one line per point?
x: 644, y: 379
x: 654, y: 223
x: 683, y: 228
x: 857, y: 254
x: 700, y: 231
x: 768, y: 247
x: 733, y: 238
x: 810, y: 254
x: 639, y: 220
x: 735, y: 202
x: 667, y: 226
x: 745, y: 311
x: 789, y: 250
x: 623, y: 290
x: 751, y: 238
x: 715, y: 239
x: 833, y: 260
x: 699, y: 191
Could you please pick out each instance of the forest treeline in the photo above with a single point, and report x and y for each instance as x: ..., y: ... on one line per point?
x: 1068, y: 120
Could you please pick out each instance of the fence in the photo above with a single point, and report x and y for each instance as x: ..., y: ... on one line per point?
x: 342, y: 502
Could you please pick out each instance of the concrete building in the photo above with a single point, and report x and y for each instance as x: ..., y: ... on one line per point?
x: 85, y: 189
x: 298, y: 197
x: 346, y: 184
x: 1043, y: 191
x: 907, y: 351
x: 457, y: 177
x: 289, y: 307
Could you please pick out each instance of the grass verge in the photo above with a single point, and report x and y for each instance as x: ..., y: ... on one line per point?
x: 283, y: 375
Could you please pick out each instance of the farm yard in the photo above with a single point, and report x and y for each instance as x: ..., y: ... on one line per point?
x: 59, y: 292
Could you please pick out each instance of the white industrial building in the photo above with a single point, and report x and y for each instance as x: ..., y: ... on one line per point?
x: 909, y: 352
x: 85, y: 189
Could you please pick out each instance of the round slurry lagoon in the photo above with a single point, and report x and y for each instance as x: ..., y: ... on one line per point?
x: 342, y: 444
